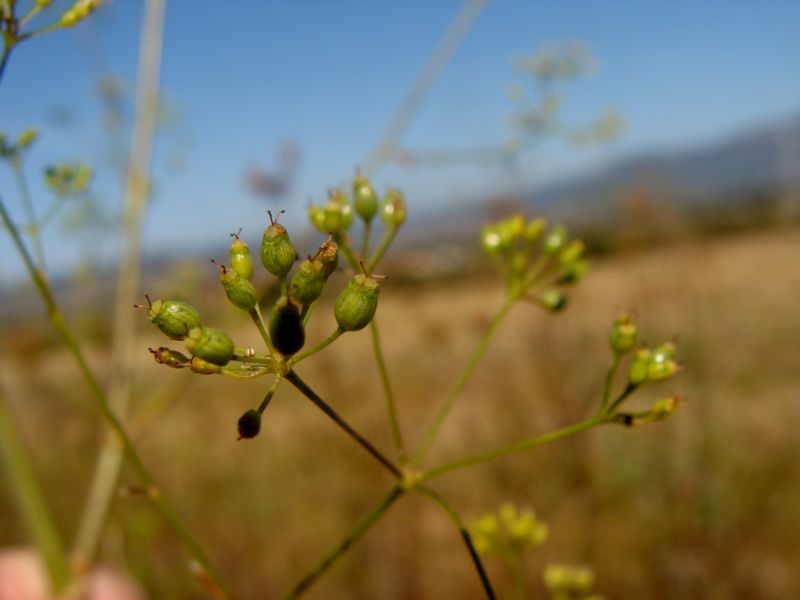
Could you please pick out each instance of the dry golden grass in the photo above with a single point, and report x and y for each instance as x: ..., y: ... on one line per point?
x: 704, y: 505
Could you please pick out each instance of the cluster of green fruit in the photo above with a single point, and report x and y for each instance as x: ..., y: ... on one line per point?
x: 536, y: 263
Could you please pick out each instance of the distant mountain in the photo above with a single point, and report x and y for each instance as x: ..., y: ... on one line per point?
x: 759, y: 160
x: 762, y: 158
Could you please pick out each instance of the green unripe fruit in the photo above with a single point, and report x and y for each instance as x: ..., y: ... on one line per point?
x: 572, y: 253
x: 663, y: 408
x: 555, y: 241
x: 210, y: 344
x: 316, y: 215
x: 574, y: 272
x: 328, y: 256
x: 364, y: 198
x: 357, y: 303
x: 661, y: 365
x: 393, y: 211
x: 203, y: 367
x: 173, y: 317
x: 553, y: 300
x: 27, y: 137
x: 337, y: 214
x: 249, y: 424
x: 534, y: 229
x: 490, y: 240
x: 241, y: 261
x: 239, y: 290
x: 277, y: 252
x: 171, y: 358
x: 637, y: 372
x: 286, y: 327
x: 308, y: 281
x: 623, y: 335
x: 512, y: 228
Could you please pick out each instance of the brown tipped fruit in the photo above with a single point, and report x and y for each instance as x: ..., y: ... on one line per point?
x: 356, y: 304
x: 171, y: 358
x: 286, y: 327
x: 328, y: 256
x: 173, y: 317
x: 210, y: 344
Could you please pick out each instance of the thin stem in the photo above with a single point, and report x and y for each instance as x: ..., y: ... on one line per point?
x: 365, y: 240
x: 526, y: 444
x: 270, y: 394
x: 255, y: 314
x: 344, y: 246
x: 305, y: 313
x: 383, y: 246
x: 454, y: 516
x: 295, y: 380
x: 123, y: 340
x: 469, y: 368
x: 49, y: 213
x: 629, y: 389
x: 437, y: 61
x: 30, y: 213
x: 352, y: 537
x: 6, y: 54
x: 35, y: 10
x: 132, y: 456
x: 30, y: 500
x: 610, y: 377
x: 41, y: 31
x: 321, y: 346
x: 387, y: 390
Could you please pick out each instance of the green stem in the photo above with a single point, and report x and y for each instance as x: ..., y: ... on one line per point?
x: 30, y: 213
x: 49, y: 213
x: 344, y: 247
x: 526, y: 444
x: 454, y: 516
x: 295, y: 380
x: 321, y: 346
x: 6, y: 54
x: 123, y: 347
x: 305, y: 313
x: 629, y: 389
x: 255, y: 314
x: 352, y: 537
x: 610, y: 377
x: 132, y: 456
x: 469, y: 368
x: 34, y: 10
x: 387, y: 390
x: 365, y: 241
x: 270, y: 394
x: 386, y: 241
x: 31, y: 500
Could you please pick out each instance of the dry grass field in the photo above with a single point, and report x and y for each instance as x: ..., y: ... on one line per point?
x: 704, y: 505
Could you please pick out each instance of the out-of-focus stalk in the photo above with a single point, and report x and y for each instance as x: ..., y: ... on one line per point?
x: 123, y: 343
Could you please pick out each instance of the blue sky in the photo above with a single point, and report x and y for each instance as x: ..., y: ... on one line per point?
x: 245, y: 75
